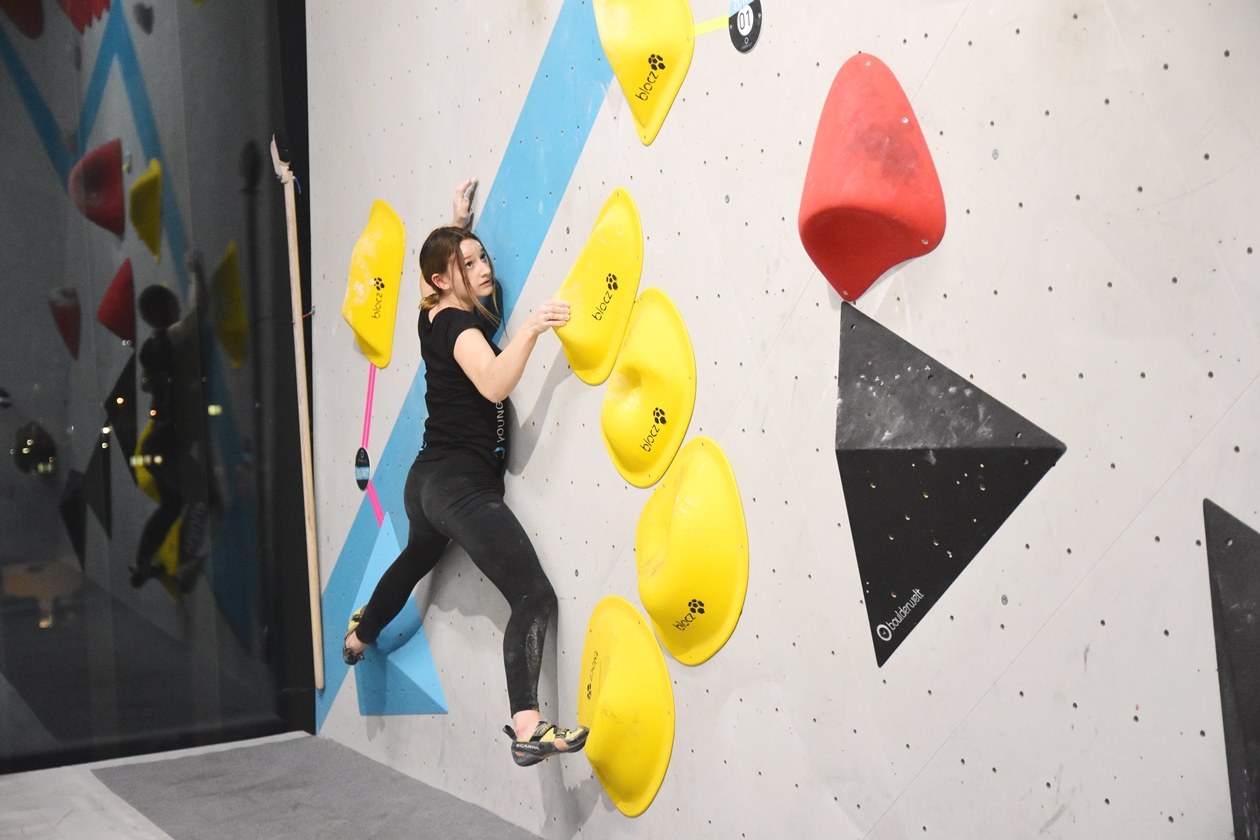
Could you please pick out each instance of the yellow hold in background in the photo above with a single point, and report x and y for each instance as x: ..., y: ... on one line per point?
x: 376, y: 264
x: 146, y: 208
x: 144, y: 478
x: 651, y: 392
x: 691, y: 548
x: 600, y: 289
x: 626, y: 700
x: 230, y: 323
x: 649, y: 45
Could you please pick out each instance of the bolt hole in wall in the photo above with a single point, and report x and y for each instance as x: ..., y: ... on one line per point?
x: 146, y: 547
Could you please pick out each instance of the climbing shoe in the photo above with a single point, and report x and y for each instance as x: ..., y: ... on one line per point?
x: 542, y: 744
x: 348, y: 655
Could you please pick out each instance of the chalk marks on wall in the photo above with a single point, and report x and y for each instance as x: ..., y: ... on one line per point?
x: 872, y: 198
x: 1233, y: 558
x: 931, y: 467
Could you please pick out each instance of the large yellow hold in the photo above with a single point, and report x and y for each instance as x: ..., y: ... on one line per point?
x: 230, y: 323
x: 376, y: 264
x: 626, y: 700
x: 146, y: 208
x: 651, y: 392
x: 649, y: 45
x: 692, y: 552
x: 600, y: 289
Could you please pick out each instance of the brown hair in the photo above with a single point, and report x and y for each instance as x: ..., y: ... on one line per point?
x: 441, y: 254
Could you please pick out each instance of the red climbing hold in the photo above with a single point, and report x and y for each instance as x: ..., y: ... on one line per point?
x: 64, y: 304
x: 82, y: 12
x: 27, y: 15
x: 96, y: 186
x: 118, y: 308
x: 872, y: 199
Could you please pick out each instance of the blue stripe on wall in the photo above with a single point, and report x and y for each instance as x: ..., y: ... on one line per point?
x: 551, y: 131
x: 41, y: 117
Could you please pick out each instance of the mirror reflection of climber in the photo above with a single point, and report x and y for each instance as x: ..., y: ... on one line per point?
x: 170, y: 453
x: 454, y: 490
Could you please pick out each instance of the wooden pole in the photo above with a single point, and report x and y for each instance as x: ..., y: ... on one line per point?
x: 304, y: 416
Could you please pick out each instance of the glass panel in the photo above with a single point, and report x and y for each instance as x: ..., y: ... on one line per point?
x: 152, y: 583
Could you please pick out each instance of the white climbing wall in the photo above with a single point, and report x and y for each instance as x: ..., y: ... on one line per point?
x: 1099, y: 162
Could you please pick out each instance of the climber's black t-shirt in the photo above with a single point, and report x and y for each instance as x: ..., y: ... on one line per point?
x: 460, y: 418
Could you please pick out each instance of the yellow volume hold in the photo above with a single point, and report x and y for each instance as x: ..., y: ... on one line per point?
x: 626, y: 700
x: 371, y: 302
x: 649, y: 45
x: 651, y: 392
x: 601, y: 288
x: 146, y: 208
x: 230, y: 322
x: 691, y: 548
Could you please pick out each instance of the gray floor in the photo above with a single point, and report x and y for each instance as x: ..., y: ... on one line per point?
x: 281, y: 787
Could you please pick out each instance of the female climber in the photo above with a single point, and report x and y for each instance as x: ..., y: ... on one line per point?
x: 454, y: 490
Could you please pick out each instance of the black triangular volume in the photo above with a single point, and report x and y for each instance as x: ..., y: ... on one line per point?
x: 931, y: 467
x: 892, y: 395
x: 96, y: 485
x: 918, y: 517
x: 1233, y: 555
x: 120, y: 408
x: 73, y: 509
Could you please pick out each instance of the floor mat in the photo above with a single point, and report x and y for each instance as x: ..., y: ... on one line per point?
x: 302, y: 788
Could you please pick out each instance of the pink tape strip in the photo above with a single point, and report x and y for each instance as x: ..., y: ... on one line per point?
x: 376, y: 504
x: 367, y: 409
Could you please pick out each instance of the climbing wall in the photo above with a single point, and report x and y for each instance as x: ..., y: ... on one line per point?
x: 974, y: 313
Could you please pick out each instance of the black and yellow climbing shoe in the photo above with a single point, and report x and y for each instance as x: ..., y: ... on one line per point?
x: 348, y: 655
x: 542, y: 744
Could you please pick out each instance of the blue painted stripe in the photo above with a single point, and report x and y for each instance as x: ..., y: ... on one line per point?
x: 41, y: 116
x: 551, y: 131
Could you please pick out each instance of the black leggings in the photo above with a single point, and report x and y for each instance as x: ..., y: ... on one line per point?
x: 460, y: 498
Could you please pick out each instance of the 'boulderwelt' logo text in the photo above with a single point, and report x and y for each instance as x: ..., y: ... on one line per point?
x: 885, y: 630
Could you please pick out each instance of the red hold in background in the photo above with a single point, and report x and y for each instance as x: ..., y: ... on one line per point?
x: 96, y: 186
x: 64, y: 304
x: 872, y: 199
x: 27, y: 15
x: 118, y: 308
x: 82, y: 12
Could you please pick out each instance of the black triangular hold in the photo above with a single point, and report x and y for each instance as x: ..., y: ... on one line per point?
x: 120, y: 408
x: 73, y: 509
x: 931, y: 467
x: 1233, y: 555
x: 96, y: 486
